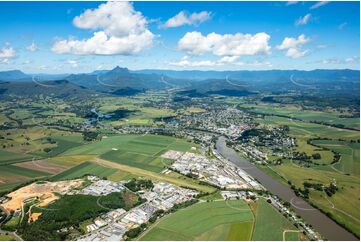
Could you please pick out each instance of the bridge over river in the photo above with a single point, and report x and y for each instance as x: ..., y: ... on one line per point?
x: 323, y: 224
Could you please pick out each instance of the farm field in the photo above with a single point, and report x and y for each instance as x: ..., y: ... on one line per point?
x: 41, y: 165
x: 299, y: 128
x: 341, y: 205
x: 135, y: 172
x: 331, y: 117
x: 344, y: 205
x: 270, y: 224
x: 350, y: 155
x: 12, y: 176
x: 84, y: 169
x: 133, y: 150
x: 226, y: 220
x: 7, y: 157
x: 63, y: 143
x: 221, y: 220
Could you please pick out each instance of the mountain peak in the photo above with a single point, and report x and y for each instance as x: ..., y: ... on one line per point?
x: 119, y: 70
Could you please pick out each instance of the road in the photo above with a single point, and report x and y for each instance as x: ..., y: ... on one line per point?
x: 319, y: 221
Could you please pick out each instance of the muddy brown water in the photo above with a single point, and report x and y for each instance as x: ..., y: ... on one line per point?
x: 328, y: 228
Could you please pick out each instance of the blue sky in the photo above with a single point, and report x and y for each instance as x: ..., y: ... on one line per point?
x: 75, y: 37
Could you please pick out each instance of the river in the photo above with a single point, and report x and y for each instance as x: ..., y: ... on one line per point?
x: 323, y: 224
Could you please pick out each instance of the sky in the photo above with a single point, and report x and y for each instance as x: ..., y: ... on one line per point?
x: 78, y: 37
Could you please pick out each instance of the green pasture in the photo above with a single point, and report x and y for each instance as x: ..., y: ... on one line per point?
x: 84, y: 169
x: 222, y: 220
x: 270, y: 223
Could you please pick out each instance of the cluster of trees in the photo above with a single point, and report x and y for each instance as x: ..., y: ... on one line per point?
x: 90, y: 135
x: 316, y: 186
x: 133, y: 233
x: 136, y: 185
x: 331, y: 189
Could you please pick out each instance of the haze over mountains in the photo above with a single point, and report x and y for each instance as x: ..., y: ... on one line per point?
x: 121, y: 81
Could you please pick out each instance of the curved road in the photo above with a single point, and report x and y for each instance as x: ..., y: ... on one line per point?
x: 323, y: 224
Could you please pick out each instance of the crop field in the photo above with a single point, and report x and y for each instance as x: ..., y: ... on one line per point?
x: 221, y: 220
x: 331, y: 117
x: 7, y: 157
x: 41, y: 165
x: 270, y: 224
x: 63, y: 143
x: 311, y: 129
x: 12, y: 176
x: 134, y: 150
x: 84, y: 169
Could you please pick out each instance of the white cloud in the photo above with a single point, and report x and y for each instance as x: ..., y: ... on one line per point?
x: 225, y: 45
x: 186, y: 62
x: 255, y: 63
x: 319, y: 4
x: 229, y: 59
x: 32, y: 47
x: 7, y: 52
x: 342, y: 26
x: 73, y: 63
x: 119, y: 29
x: 338, y: 61
x: 303, y: 20
x: 293, y: 46
x: 183, y: 19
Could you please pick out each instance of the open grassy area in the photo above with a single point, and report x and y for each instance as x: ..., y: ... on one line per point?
x: 329, y: 116
x: 270, y: 224
x: 299, y: 128
x: 344, y: 205
x: 4, y: 237
x: 175, y: 178
x: 350, y: 155
x: 84, y: 169
x: 149, y: 145
x: 63, y: 143
x: 134, y: 150
x: 223, y: 220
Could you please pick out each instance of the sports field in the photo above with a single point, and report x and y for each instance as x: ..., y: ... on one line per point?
x: 220, y: 220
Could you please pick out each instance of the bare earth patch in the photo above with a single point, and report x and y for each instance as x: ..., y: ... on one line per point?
x: 45, y: 192
x: 42, y: 165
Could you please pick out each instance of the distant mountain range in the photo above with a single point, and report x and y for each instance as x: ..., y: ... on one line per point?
x: 121, y: 81
x: 60, y: 89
